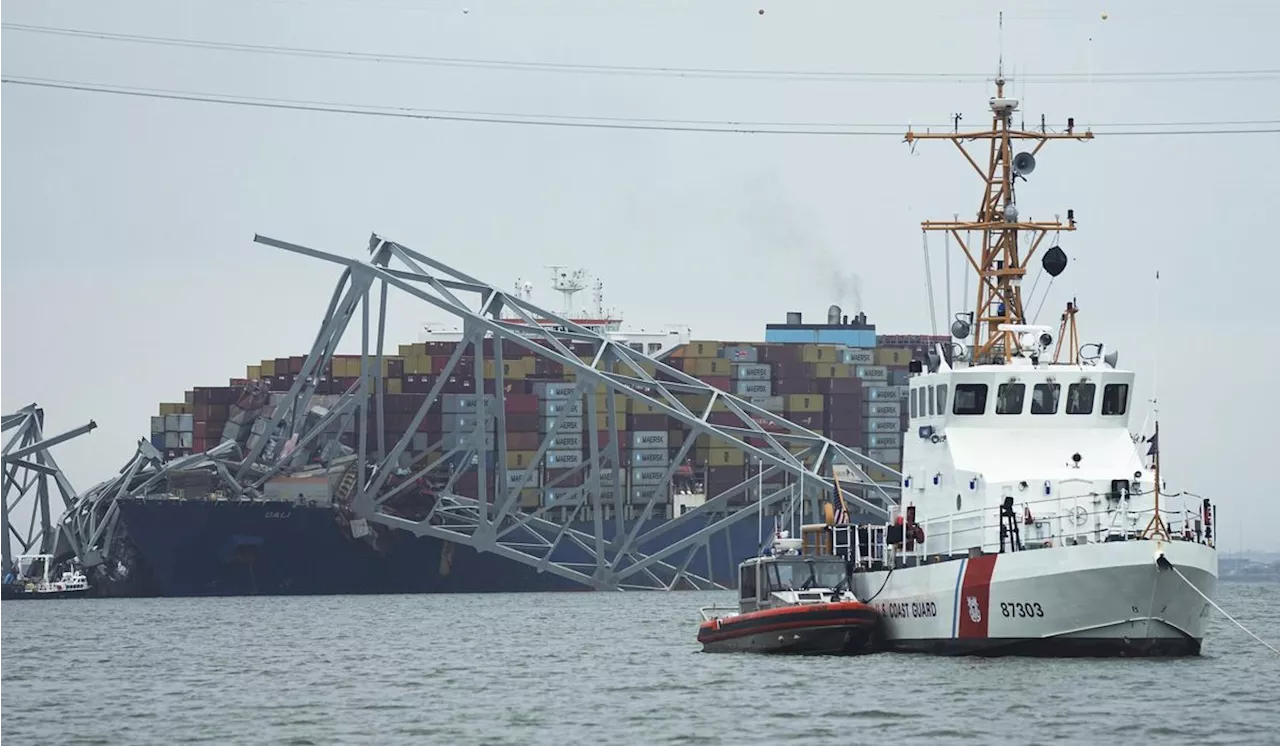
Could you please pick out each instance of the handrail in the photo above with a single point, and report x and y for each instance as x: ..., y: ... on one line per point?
x: 1120, y: 520
x: 706, y: 617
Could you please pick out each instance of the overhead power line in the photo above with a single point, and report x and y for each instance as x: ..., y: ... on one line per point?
x: 1189, y: 76
x: 549, y: 120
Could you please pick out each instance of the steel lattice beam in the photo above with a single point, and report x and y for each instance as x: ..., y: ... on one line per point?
x: 28, y: 470
x: 491, y: 520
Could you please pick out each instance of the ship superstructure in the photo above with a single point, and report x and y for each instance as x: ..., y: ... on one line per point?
x: 1031, y: 521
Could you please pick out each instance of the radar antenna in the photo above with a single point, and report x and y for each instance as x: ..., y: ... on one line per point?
x: 567, y: 283
x: 999, y: 262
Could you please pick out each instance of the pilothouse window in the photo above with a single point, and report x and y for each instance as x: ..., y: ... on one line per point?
x: 1115, y: 398
x: 1044, y: 398
x: 970, y: 398
x: 1080, y: 398
x: 930, y: 398
x: 942, y: 399
x: 1009, y: 398
x: 747, y: 585
x: 915, y: 408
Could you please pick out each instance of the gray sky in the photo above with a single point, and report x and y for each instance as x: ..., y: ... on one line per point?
x: 130, y: 275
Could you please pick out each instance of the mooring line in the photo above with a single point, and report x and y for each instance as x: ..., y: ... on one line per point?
x: 1225, y: 614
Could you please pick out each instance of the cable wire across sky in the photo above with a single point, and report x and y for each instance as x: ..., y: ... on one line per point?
x: 615, y: 123
x: 1186, y: 76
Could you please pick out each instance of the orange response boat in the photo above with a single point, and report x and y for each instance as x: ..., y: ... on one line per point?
x: 789, y: 603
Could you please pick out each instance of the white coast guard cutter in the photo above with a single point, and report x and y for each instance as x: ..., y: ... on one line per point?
x: 1030, y: 521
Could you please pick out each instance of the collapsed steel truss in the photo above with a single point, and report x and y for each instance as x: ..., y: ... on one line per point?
x: 29, y: 470
x: 492, y: 521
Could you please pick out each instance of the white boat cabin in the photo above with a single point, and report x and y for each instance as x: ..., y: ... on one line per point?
x: 785, y: 577
x: 1025, y: 455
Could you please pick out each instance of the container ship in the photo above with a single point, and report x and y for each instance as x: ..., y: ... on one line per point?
x: 185, y: 536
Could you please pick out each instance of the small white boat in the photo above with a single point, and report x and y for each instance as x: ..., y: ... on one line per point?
x: 31, y: 580
x: 793, y: 604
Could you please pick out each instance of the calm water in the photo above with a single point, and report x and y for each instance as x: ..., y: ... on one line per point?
x: 579, y: 668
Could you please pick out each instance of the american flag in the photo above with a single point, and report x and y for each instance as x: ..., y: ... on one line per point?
x: 740, y: 354
x: 842, y: 515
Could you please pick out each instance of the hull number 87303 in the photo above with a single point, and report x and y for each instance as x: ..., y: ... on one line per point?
x: 1021, y: 610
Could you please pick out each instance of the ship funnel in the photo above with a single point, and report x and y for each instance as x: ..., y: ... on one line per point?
x: 833, y: 315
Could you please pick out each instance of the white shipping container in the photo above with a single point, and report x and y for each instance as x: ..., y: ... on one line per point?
x: 642, y: 495
x: 564, y: 459
x: 567, y: 442
x: 657, y: 457
x: 753, y: 388
x: 465, y: 403
x: 882, y: 425
x: 466, y: 439
x: 649, y: 439
x: 608, y: 476
x: 902, y: 391
x: 646, y: 475
x: 881, y: 393
x: 884, y: 440
x: 549, y: 408
x: 752, y: 372
x: 171, y: 422
x: 855, y: 356
x: 571, y: 424
x: 157, y: 424
x: 554, y: 390
x: 775, y: 404
x: 887, y: 456
x: 884, y: 408
x: 186, y: 423
x: 871, y: 372
x: 171, y: 440
x: 562, y: 496
x: 465, y: 422
x: 186, y: 440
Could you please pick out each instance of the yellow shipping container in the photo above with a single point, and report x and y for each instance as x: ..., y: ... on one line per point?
x: 602, y: 421
x: 394, y: 385
x: 893, y: 356
x: 708, y: 366
x: 269, y: 367
x: 417, y: 365
x: 636, y: 406
x: 819, y: 354
x: 725, y: 457
x: 697, y: 403
x: 530, y: 497
x: 406, y: 351
x: 253, y: 372
x: 168, y: 408
x: 520, y: 458
x: 804, y: 403
x: 702, y: 349
x: 602, y: 401
x: 833, y: 370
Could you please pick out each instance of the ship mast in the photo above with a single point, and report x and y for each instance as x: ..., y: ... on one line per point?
x: 998, y: 261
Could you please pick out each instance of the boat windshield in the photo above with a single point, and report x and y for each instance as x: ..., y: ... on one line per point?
x: 791, y: 575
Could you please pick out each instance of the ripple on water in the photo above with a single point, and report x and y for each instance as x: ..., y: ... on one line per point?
x: 459, y: 669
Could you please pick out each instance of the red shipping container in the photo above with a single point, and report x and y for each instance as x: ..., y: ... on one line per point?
x: 523, y: 422
x: 523, y: 441
x: 200, y: 429
x: 647, y: 421
x: 198, y: 445
x: 720, y: 382
x: 395, y: 368
x: 295, y: 364
x: 521, y: 403
x: 837, y: 386
x: 572, y: 480
x: 852, y: 438
x: 726, y: 418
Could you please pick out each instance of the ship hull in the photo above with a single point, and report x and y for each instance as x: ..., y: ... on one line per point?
x: 228, y: 548
x: 1097, y: 600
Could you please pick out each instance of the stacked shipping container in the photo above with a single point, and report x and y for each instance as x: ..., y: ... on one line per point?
x: 853, y: 395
